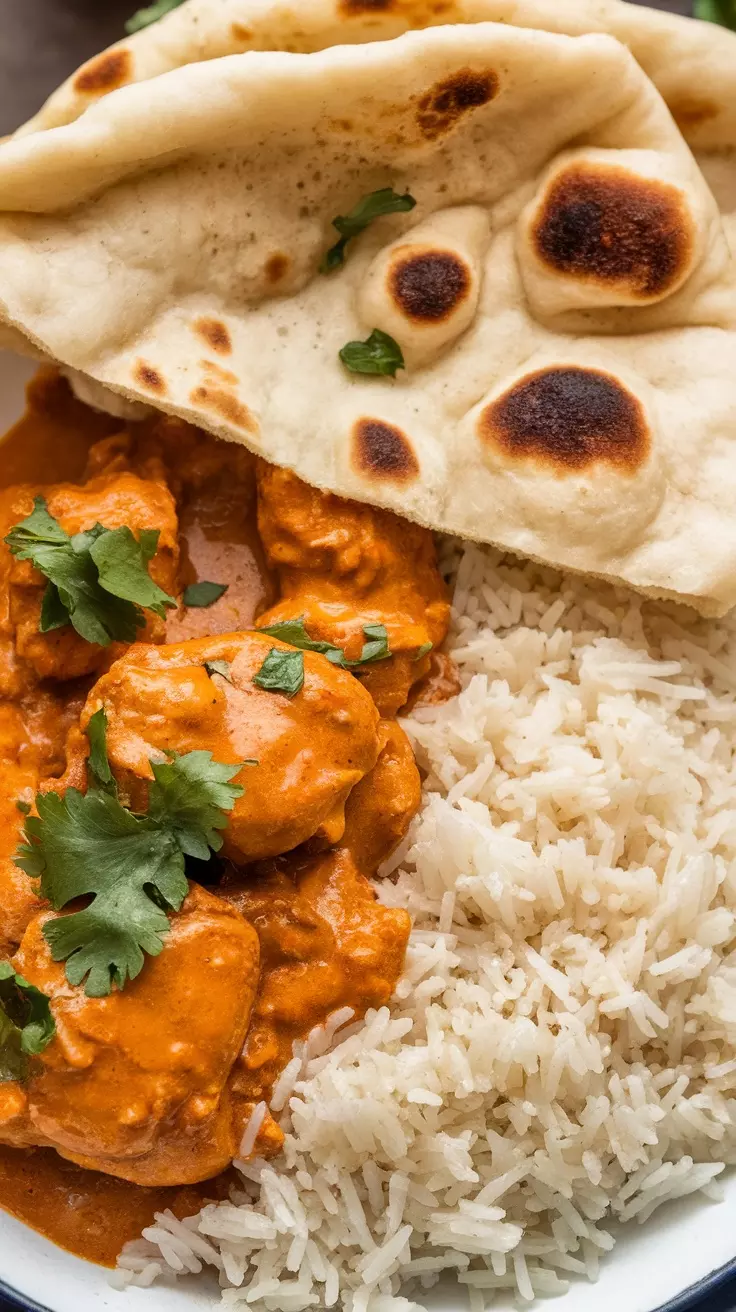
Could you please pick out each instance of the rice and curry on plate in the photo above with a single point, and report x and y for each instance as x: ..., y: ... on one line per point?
x: 368, y: 905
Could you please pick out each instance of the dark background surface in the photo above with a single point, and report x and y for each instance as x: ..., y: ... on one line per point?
x: 41, y: 42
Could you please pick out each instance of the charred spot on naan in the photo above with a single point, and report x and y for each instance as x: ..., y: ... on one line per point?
x: 568, y: 419
x: 241, y: 33
x: 149, y: 378
x: 215, y: 334
x: 605, y: 225
x: 691, y: 112
x: 424, y: 290
x: 105, y: 73
x: 215, y: 371
x: 276, y: 267
x: 223, y: 402
x: 382, y: 452
x: 349, y: 8
x: 417, y: 12
x: 428, y: 286
x: 440, y: 108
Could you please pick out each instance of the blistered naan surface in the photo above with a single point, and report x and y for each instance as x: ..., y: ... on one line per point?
x: 563, y: 292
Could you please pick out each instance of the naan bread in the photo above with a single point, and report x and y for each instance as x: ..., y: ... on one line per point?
x: 692, y: 64
x: 564, y: 291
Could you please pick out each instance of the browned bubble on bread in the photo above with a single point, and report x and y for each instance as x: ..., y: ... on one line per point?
x: 568, y: 419
x: 610, y: 227
x: 215, y: 333
x: 428, y: 286
x: 225, y: 404
x: 382, y: 452
x: 105, y: 73
x: 351, y: 8
x: 441, y: 107
x: 692, y: 112
x: 276, y: 267
x: 146, y: 376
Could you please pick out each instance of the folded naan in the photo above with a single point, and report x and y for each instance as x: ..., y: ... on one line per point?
x: 563, y: 292
x: 692, y: 64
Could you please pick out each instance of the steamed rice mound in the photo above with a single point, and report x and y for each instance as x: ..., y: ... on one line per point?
x: 561, y: 1051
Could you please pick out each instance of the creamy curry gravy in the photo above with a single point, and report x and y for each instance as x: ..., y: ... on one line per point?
x: 306, y: 943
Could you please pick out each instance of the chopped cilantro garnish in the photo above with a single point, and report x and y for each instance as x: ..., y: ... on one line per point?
x: 151, y: 14
x: 378, y: 354
x: 132, y: 866
x: 23, y: 807
x: 373, y: 206
x: 219, y: 667
x: 98, y: 581
x: 424, y: 650
x: 282, y: 671
x: 376, y: 647
x: 97, y: 762
x: 26, y: 1023
x: 204, y: 593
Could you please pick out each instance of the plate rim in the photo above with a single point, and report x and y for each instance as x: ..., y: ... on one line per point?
x: 682, y: 1302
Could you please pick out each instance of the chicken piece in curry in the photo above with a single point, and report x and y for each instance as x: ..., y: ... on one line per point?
x: 310, y: 750
x: 200, y: 662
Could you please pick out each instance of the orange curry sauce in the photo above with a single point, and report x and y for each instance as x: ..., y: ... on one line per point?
x: 86, y: 1212
x: 314, y: 913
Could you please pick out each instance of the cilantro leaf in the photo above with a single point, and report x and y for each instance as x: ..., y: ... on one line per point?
x: 294, y: 632
x: 373, y: 206
x: 219, y: 667
x: 376, y: 648
x: 204, y: 593
x: 151, y: 14
x: 26, y: 1023
x: 378, y: 354
x: 13, y: 1063
x: 90, y: 845
x: 716, y: 11
x: 132, y: 866
x: 282, y: 671
x: 97, y: 580
x: 190, y: 797
x: 97, y: 763
x: 54, y: 614
x: 122, y: 562
x: 38, y: 530
x: 424, y: 650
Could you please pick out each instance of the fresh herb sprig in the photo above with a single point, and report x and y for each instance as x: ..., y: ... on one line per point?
x: 26, y: 1023
x: 371, y: 207
x: 378, y: 354
x: 98, y: 581
x: 283, y: 671
x: 223, y: 668
x: 132, y: 866
x: 375, y: 648
x: 716, y: 11
x: 204, y: 594
x: 151, y: 14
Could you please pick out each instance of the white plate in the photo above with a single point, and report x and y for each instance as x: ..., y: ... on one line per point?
x: 684, y: 1252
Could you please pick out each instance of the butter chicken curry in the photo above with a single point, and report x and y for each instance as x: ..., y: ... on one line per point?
x: 200, y: 659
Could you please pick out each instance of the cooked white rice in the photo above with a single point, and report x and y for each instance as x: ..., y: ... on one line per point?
x: 561, y: 1051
